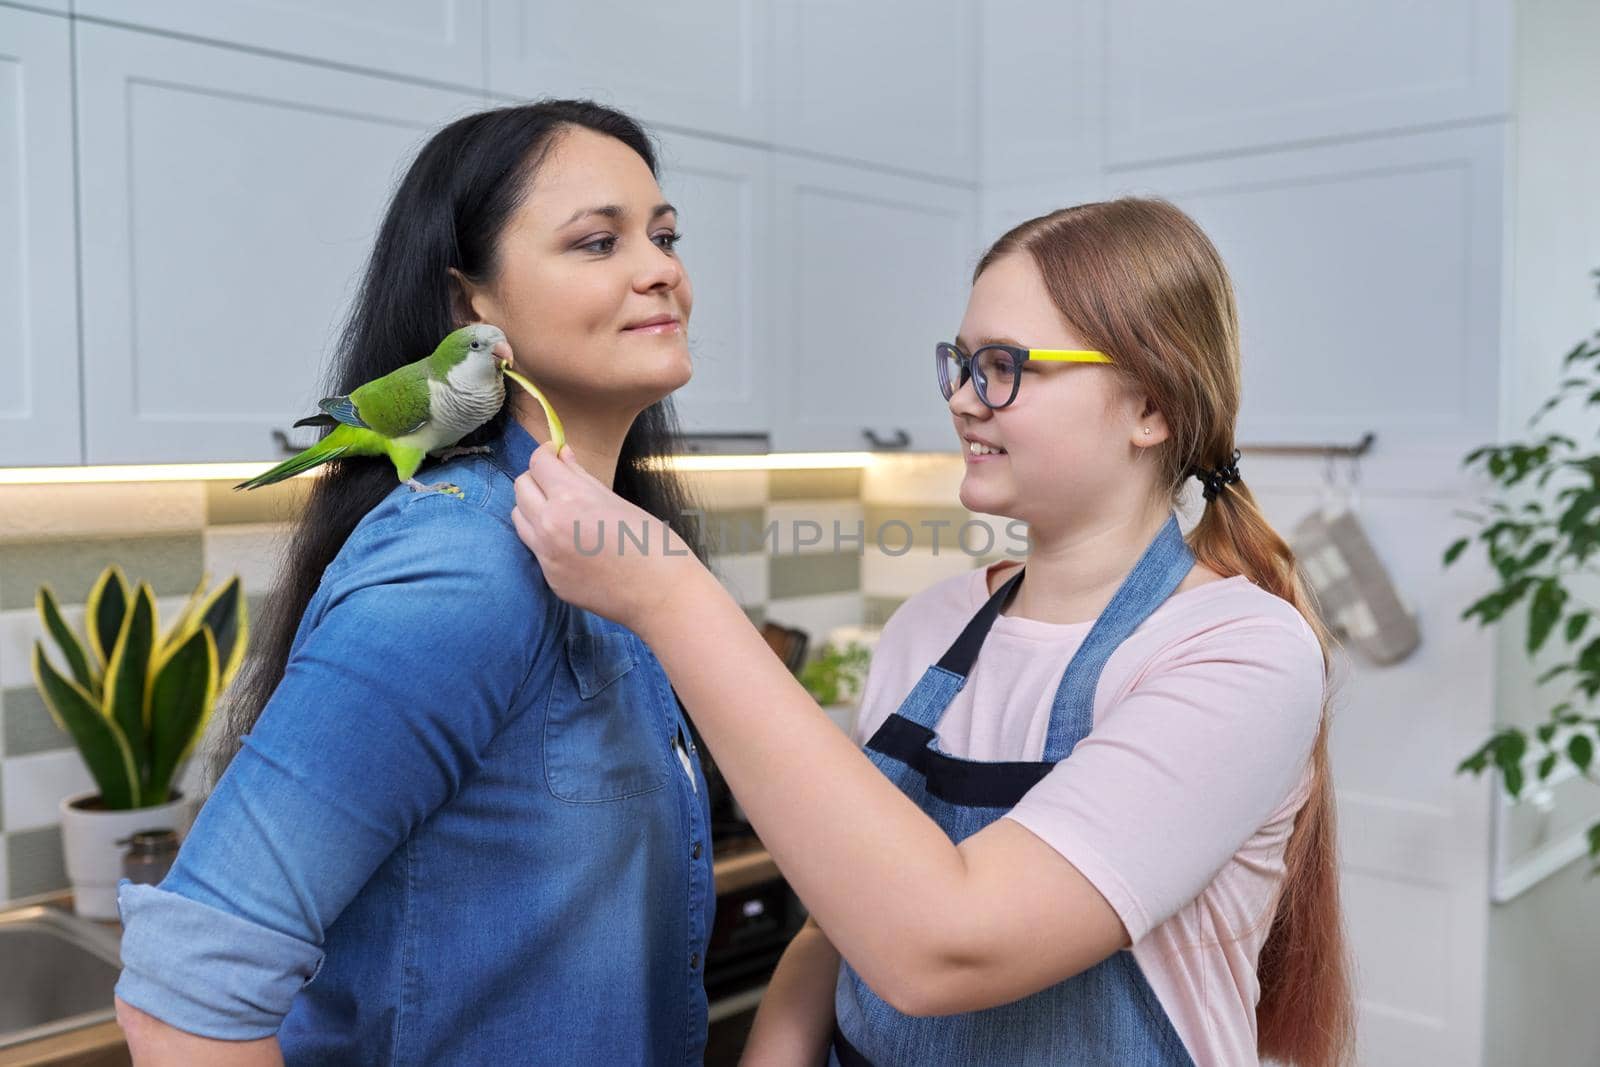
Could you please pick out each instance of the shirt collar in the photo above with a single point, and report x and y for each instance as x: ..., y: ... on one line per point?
x: 513, y: 449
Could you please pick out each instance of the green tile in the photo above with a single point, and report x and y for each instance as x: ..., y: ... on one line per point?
x: 171, y: 563
x: 813, y: 574
x: 36, y: 862
x: 734, y: 530
x: 282, y: 502
x: 884, y: 523
x: 875, y: 611
x: 815, y: 484
x: 28, y: 725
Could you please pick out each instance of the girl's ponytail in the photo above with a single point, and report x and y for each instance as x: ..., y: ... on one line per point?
x: 1306, y: 1014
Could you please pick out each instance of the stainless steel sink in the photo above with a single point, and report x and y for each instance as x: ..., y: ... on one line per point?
x: 57, y: 973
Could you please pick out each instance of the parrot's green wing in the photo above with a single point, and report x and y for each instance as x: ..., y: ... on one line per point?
x: 394, y: 405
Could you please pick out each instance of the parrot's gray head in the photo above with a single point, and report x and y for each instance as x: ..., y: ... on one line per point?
x: 484, y: 351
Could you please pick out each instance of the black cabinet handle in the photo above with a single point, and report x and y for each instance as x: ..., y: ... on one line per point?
x: 285, y: 446
x: 900, y: 440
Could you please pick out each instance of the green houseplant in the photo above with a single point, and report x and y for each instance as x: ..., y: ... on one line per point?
x: 1541, y: 534
x: 835, y: 677
x: 135, y: 701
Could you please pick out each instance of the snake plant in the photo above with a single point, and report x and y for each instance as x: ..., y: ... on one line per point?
x: 134, y: 699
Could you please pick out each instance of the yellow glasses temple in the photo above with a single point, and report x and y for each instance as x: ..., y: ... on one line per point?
x: 1069, y: 355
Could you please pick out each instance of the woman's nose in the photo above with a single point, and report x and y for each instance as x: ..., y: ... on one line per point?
x: 660, y: 271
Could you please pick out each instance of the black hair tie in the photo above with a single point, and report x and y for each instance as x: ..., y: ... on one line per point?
x: 1214, y: 480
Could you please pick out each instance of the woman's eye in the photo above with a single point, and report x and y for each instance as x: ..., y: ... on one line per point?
x: 609, y: 242
x: 668, y: 241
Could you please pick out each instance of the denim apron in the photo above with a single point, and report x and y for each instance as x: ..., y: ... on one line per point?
x: 1105, y: 1015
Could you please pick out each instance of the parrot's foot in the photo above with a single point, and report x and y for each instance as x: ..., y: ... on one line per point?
x: 437, y: 487
x: 474, y: 450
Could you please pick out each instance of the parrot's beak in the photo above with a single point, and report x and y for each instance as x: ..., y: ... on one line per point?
x: 502, y: 352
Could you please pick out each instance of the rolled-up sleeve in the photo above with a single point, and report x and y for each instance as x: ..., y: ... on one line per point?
x: 407, y: 662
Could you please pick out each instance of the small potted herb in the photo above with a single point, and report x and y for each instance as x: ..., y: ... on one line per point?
x: 834, y: 679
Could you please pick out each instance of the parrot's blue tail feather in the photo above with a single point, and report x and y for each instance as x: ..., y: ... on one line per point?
x: 318, y: 420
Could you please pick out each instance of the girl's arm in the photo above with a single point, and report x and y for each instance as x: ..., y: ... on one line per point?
x: 1150, y: 806
x: 152, y: 1043
x: 795, y: 1021
x: 932, y: 927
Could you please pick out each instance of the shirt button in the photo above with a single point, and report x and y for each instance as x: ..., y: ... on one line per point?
x: 694, y: 962
x: 695, y: 852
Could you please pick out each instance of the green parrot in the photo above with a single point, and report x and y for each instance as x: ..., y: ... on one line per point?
x: 412, y: 411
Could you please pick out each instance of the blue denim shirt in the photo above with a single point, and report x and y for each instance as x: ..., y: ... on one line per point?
x: 461, y: 831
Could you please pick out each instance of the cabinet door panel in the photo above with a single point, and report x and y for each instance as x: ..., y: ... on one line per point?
x: 724, y: 198
x: 702, y: 66
x: 39, y: 411
x: 1368, y: 280
x: 429, y: 40
x: 892, y: 83
x: 873, y: 272
x: 1182, y: 80
x: 228, y: 206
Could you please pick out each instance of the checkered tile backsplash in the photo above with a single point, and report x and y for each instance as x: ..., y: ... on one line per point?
x: 169, y: 533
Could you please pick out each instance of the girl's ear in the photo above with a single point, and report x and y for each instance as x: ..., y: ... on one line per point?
x: 1150, y: 426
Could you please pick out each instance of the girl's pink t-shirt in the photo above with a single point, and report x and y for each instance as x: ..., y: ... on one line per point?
x: 1178, y: 806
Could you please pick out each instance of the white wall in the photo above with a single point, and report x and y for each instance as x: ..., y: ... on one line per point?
x: 1544, y: 945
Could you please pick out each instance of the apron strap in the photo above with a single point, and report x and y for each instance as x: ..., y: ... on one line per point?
x: 960, y: 657
x: 1162, y: 568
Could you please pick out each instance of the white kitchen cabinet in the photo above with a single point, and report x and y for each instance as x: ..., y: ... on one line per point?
x: 39, y: 416
x: 892, y: 83
x: 724, y: 198
x: 1368, y: 281
x: 1188, y: 79
x: 228, y: 203
x: 439, y: 41
x: 1040, y: 90
x: 704, y: 66
x: 873, y: 271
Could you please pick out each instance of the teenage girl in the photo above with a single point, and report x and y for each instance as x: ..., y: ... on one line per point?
x: 1093, y: 822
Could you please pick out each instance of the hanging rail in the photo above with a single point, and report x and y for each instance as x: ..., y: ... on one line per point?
x: 1352, y: 451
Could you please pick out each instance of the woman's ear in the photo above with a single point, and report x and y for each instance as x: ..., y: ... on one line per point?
x: 464, y: 299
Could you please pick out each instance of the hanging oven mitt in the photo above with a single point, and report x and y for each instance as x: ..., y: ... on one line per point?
x: 1354, y: 594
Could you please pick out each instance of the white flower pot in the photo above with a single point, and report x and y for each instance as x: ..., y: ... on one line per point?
x: 94, y: 858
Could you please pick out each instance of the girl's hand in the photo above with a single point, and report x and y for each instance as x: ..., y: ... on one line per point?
x: 598, y: 551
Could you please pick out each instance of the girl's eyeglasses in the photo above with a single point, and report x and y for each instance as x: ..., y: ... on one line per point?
x: 996, y: 370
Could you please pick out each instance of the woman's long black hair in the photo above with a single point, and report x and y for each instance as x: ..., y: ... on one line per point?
x: 450, y: 210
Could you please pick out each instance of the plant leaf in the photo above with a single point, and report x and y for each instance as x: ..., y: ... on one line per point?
x: 1580, y: 750
x: 66, y: 640
x: 181, y: 700
x: 127, y: 684
x: 108, y: 601
x: 1575, y: 625
x: 226, y: 615
x: 186, y: 618
x: 1548, y: 600
x: 104, y: 749
x: 1454, y: 551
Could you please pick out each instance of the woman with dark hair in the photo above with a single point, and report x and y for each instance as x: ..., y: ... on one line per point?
x: 457, y: 820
